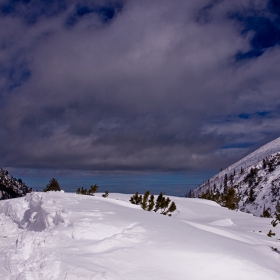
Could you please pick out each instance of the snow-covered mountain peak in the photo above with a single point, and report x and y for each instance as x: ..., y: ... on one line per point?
x: 254, y: 157
x: 255, y: 178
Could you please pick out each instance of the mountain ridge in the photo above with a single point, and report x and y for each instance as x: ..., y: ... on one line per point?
x: 255, y: 179
x: 10, y: 187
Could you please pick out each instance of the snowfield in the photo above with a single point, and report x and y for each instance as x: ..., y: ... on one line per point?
x: 57, y: 235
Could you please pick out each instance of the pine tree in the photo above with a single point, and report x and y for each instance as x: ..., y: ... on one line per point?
x: 277, y: 207
x: 144, y: 203
x: 231, y: 177
x: 151, y: 203
x: 266, y: 213
x: 93, y: 189
x: 225, y: 181
x: 53, y: 185
x: 159, y: 202
x: 270, y: 164
x: 276, y: 219
x: 230, y: 199
x: 164, y: 205
x: 190, y: 194
x: 171, y: 208
x: 264, y: 164
x: 136, y: 199
x: 252, y: 196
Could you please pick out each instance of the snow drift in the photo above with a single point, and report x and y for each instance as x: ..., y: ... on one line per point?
x: 56, y: 235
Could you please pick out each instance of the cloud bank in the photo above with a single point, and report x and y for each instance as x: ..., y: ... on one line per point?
x: 137, y: 85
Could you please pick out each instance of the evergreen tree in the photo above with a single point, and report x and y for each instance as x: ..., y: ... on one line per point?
x: 164, y: 205
x: 93, y: 189
x: 171, y: 208
x: 264, y: 164
x: 190, y: 194
x: 270, y: 164
x: 225, y: 181
x: 276, y: 219
x: 266, y: 213
x: 136, y: 199
x: 144, y: 203
x: 151, y: 203
x: 53, y: 185
x: 230, y: 199
x: 252, y: 196
x: 159, y: 202
x: 231, y: 177
x: 277, y: 207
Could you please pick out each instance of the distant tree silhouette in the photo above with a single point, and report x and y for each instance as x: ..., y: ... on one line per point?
x: 53, y: 185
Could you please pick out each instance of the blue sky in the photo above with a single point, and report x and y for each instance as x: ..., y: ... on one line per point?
x: 136, y: 94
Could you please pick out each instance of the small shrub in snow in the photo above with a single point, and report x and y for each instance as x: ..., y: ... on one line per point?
x: 164, y: 204
x: 276, y: 219
x: 136, y: 199
x: 266, y: 213
x: 105, y: 194
x: 53, y: 185
x: 270, y: 233
x: 93, y: 189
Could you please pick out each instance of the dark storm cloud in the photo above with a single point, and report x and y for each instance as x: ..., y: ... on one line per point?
x: 136, y: 85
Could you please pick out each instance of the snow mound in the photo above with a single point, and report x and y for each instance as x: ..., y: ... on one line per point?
x: 222, y: 223
x: 40, y: 214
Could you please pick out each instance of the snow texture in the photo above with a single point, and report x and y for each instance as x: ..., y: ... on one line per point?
x: 56, y: 235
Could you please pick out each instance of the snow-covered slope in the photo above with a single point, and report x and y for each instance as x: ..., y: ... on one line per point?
x: 56, y: 235
x: 256, y: 179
